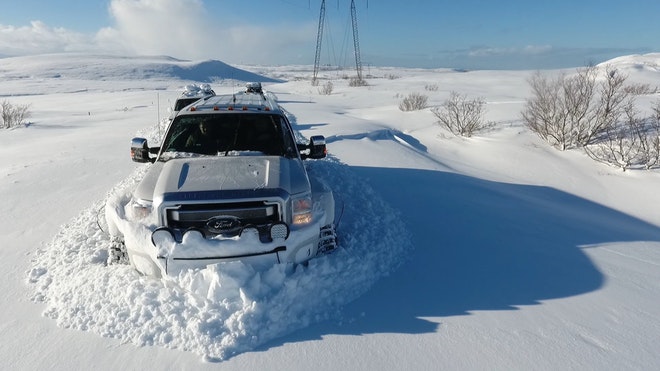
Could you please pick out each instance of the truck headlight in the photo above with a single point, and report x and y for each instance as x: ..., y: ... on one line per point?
x: 302, y: 210
x: 140, y: 209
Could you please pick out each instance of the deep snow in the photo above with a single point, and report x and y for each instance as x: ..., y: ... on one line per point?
x: 495, y: 252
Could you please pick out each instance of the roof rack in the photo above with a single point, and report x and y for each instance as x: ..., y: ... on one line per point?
x: 235, y: 102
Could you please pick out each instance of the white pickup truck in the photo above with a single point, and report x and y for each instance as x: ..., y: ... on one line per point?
x: 227, y: 183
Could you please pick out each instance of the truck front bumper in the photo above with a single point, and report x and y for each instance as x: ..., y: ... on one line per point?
x: 194, y: 251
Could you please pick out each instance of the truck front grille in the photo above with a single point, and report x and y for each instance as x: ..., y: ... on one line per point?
x: 197, y: 215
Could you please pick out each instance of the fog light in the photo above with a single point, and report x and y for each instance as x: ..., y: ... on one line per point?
x: 279, y: 231
x: 250, y: 231
x: 194, y: 233
x: 162, y: 235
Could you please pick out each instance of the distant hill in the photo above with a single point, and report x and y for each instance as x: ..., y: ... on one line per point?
x: 104, y: 67
x: 636, y: 62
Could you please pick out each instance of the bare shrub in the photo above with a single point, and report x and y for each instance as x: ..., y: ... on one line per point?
x: 656, y: 112
x: 559, y: 109
x: 575, y: 111
x: 653, y: 138
x: 13, y: 115
x: 612, y: 104
x: 414, y: 102
x: 356, y: 81
x: 640, y: 89
x: 431, y: 87
x: 632, y: 142
x: 601, y: 117
x: 462, y: 116
x: 326, y: 89
x: 620, y: 145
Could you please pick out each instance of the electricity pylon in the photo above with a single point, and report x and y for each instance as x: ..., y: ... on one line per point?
x: 356, y: 42
x: 319, y: 37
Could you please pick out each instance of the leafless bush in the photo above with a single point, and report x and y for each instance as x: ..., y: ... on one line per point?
x: 391, y: 76
x: 640, y: 89
x: 634, y: 142
x: 356, y: 81
x: 649, y: 146
x: 413, y: 102
x: 462, y: 116
x: 619, y: 147
x: 12, y: 115
x: 575, y: 111
x: 431, y: 87
x: 656, y: 112
x: 559, y: 108
x: 326, y: 89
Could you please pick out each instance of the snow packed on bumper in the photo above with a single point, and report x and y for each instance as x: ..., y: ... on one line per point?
x: 227, y: 308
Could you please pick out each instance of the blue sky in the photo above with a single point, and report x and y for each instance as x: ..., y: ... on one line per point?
x: 471, y: 34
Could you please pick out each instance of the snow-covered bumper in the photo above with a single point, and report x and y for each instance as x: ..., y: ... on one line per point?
x: 161, y: 251
x: 195, y: 251
x: 194, y: 229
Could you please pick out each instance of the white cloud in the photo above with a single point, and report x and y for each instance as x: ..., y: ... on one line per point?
x: 537, y: 49
x: 178, y: 28
x: 39, y: 38
x: 185, y: 29
x: 512, y: 51
x: 157, y: 27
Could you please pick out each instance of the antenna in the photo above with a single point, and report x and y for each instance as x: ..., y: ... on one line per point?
x: 158, y: 114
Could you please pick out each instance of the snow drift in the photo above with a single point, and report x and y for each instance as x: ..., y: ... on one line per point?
x: 227, y: 308
x: 514, y: 255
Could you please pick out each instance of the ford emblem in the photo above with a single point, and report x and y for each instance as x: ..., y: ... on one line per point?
x: 224, y: 224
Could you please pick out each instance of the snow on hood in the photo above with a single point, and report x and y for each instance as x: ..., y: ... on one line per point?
x: 230, y: 173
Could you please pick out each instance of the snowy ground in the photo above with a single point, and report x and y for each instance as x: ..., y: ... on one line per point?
x: 495, y: 252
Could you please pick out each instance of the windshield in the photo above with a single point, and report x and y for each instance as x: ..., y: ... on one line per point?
x: 228, y: 134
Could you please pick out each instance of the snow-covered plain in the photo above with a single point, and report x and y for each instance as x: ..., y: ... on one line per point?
x: 494, y: 252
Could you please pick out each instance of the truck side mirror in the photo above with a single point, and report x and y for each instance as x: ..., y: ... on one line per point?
x: 317, y: 148
x: 140, y: 150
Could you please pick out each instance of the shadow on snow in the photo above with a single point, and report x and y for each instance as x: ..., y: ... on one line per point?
x: 479, y: 245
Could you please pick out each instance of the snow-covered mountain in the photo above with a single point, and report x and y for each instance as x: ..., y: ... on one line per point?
x: 99, y: 67
x: 494, y: 252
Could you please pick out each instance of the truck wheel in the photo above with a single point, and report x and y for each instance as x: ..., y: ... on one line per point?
x: 117, y: 252
x: 327, y: 240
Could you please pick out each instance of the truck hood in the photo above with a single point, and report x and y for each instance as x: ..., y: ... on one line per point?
x: 198, y: 174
